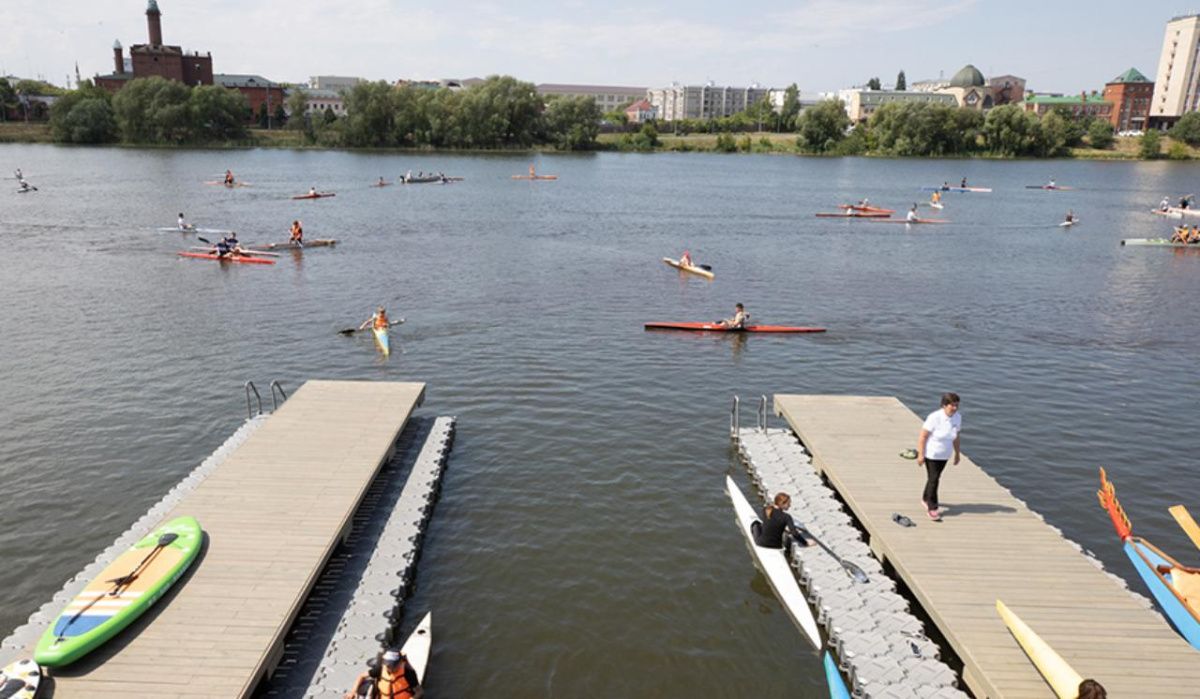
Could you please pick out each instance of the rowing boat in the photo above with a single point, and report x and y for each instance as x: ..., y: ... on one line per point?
x: 1174, y: 586
x: 774, y: 565
x: 243, y: 259
x: 318, y: 243
x: 1159, y: 242
x: 833, y: 678
x: 121, y: 592
x: 382, y: 340
x: 901, y: 220
x: 713, y: 327
x: 964, y: 190
x: 866, y: 209
x: 853, y: 214
x: 1049, y: 187
x: 698, y: 271
x: 317, y: 195
x: 421, y: 180
x: 535, y: 177
x: 1061, y: 677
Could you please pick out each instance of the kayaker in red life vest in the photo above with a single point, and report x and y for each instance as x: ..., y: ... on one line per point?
x: 379, y: 320
x: 685, y: 259
x: 229, y: 178
x: 393, y: 678
x: 297, y: 232
x: 738, y: 321
x: 769, y: 532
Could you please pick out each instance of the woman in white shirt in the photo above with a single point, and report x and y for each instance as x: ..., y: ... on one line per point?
x: 935, y: 444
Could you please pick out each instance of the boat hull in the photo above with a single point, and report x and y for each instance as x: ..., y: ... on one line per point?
x: 382, y: 340
x: 833, y: 678
x: 698, y: 271
x: 1146, y: 558
x: 319, y: 195
x: 1061, y: 677
x: 713, y: 327
x: 853, y: 214
x: 238, y: 259
x: 419, y: 645
x: 318, y: 243
x: 1158, y: 242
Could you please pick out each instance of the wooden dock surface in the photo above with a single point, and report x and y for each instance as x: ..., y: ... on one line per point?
x: 272, y: 514
x: 990, y: 546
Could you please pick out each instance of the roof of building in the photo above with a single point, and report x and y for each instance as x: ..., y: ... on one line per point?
x: 641, y: 105
x: 559, y: 88
x: 1065, y: 99
x: 152, y: 6
x: 235, y: 80
x: 115, y: 76
x: 1130, y: 76
x: 969, y: 76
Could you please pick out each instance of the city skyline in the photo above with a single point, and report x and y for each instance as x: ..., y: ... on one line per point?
x: 821, y: 45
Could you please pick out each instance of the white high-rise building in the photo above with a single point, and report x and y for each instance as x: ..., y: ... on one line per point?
x: 1177, y: 84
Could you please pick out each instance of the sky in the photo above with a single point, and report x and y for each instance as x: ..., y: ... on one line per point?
x: 821, y: 45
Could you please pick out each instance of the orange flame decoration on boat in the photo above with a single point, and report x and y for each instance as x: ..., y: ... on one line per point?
x: 1108, y: 500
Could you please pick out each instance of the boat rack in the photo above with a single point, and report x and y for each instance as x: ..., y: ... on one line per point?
x: 879, y: 644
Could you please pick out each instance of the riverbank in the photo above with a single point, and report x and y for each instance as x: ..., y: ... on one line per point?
x: 1124, y: 147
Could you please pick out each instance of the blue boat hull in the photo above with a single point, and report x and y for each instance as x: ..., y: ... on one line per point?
x: 837, y: 686
x: 1145, y: 560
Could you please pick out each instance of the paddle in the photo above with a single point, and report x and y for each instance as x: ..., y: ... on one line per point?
x: 351, y: 331
x: 706, y: 268
x: 851, y: 569
x: 1184, y: 518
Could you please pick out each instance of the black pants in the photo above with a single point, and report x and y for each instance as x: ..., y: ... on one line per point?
x: 933, y: 470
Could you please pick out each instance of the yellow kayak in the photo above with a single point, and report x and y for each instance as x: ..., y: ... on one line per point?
x: 698, y: 271
x: 1059, y: 675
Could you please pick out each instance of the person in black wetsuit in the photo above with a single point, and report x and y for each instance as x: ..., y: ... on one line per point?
x: 769, y: 532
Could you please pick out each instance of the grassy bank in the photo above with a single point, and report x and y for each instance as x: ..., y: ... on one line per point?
x: 20, y: 132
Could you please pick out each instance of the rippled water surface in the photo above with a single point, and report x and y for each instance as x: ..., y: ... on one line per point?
x: 583, y: 539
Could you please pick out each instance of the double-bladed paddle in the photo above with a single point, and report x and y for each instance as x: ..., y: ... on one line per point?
x: 351, y: 331
x: 851, y: 569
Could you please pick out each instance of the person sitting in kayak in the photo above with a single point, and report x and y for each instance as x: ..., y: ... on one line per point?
x: 312, y: 191
x: 1193, y: 236
x: 738, y: 321
x: 964, y: 184
x: 393, y: 678
x: 229, y: 178
x: 20, y: 177
x: 25, y: 186
x: 378, y: 320
x: 912, y: 214
x: 297, y: 232
x: 945, y: 186
x: 1052, y: 185
x: 1070, y: 216
x: 1185, y: 201
x: 229, y: 246
x: 183, y: 224
x: 776, y: 521
x: 685, y: 260
x: 1164, y: 205
x: 531, y: 171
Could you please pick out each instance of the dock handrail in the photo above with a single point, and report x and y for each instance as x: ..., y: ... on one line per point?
x: 276, y: 386
x: 735, y: 418
x: 250, y: 412
x: 762, y: 413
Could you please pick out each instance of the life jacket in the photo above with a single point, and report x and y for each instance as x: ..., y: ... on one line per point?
x: 381, y: 320
x: 392, y: 686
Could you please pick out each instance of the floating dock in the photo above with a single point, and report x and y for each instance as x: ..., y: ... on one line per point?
x: 274, y: 503
x: 990, y: 546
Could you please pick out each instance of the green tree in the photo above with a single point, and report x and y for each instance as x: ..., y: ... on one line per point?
x: 264, y: 116
x: 84, y: 115
x: 153, y: 110
x: 1178, y: 151
x: 921, y: 128
x: 370, y: 115
x: 1150, y: 146
x: 1009, y: 130
x: 572, y: 123
x: 297, y: 106
x: 1100, y: 134
x: 217, y: 113
x: 279, y: 115
x: 726, y: 143
x: 901, y: 82
x: 874, y: 84
x: 791, y: 108
x: 1187, y: 129
x: 822, y: 126
x: 1056, y: 134
x: 500, y: 112
x: 8, y: 98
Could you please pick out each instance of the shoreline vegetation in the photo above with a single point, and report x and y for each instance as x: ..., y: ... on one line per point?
x: 503, y: 114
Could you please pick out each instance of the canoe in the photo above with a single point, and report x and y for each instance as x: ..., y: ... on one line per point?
x: 318, y: 243
x: 901, y: 220
x: 1160, y: 242
x: 382, y: 340
x: 833, y: 678
x: 1061, y: 677
x: 242, y: 259
x: 535, y: 177
x: 866, y: 209
x: 121, y: 592
x: 1174, y: 586
x: 419, y: 645
x: 713, y: 327
x: 774, y: 565
x: 1186, y: 523
x: 20, y: 680
x: 698, y: 271
x: 318, y: 195
x: 853, y: 214
x: 965, y: 190
x: 1055, y: 188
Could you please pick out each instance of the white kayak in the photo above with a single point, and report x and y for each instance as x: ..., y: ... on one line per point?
x: 194, y: 230
x: 1068, y: 224
x: 774, y: 565
x: 419, y: 645
x: 698, y: 271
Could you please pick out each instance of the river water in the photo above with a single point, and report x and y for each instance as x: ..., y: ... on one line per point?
x: 583, y: 543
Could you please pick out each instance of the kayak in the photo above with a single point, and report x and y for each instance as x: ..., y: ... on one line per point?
x: 854, y: 214
x: 1174, y: 586
x: 535, y: 177
x: 20, y: 680
x: 243, y: 259
x: 957, y: 189
x: 382, y: 340
x: 774, y: 565
x: 901, y: 220
x: 1161, y: 242
x: 1050, y: 188
x: 318, y: 195
x: 713, y: 327
x: 1176, y: 212
x: 177, y: 229
x: 698, y: 271
x: 121, y: 592
x: 228, y: 186
x: 382, y: 184
x: 1068, y: 224
x: 419, y: 645
x: 936, y: 205
x: 866, y: 209
x: 833, y: 677
x: 1061, y: 677
x: 318, y: 243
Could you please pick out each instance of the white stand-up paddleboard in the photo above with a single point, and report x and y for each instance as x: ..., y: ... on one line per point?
x: 20, y: 680
x: 774, y: 565
x: 418, y: 646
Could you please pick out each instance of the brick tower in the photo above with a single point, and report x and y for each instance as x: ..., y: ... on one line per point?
x: 154, y: 23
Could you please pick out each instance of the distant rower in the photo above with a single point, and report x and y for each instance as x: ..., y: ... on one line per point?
x: 229, y: 178
x: 183, y: 224
x: 738, y: 321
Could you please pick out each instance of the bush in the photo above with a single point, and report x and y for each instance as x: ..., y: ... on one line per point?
x: 1187, y: 129
x: 1178, y: 151
x: 1100, y: 134
x: 1151, y: 145
x: 726, y: 143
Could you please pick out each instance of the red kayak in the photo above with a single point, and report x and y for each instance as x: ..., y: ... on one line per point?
x: 851, y: 213
x: 228, y: 258
x: 713, y: 327
x: 318, y: 195
x: 866, y: 209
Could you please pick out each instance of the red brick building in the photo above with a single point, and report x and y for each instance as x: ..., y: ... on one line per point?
x: 155, y: 58
x: 1130, y: 94
x: 258, y: 91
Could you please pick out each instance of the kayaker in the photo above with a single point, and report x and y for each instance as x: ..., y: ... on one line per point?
x: 229, y: 245
x: 229, y: 178
x: 1180, y: 235
x: 392, y: 678
x: 937, y: 440
x: 863, y: 203
x: 945, y: 186
x: 1052, y: 185
x: 1185, y: 201
x: 775, y: 522
x: 19, y: 175
x: 1070, y: 216
x: 408, y: 176
x: 912, y: 214
x: 935, y: 198
x: 183, y: 224
x: 297, y: 232
x: 685, y: 259
x: 964, y: 184
x: 1164, y: 205
x: 378, y: 320
x: 531, y: 171
x: 738, y: 321
x: 24, y: 186
x: 381, y: 183
x: 312, y: 191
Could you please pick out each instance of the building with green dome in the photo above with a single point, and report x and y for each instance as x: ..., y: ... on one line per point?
x: 970, y: 89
